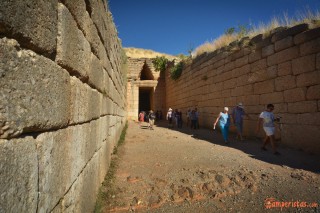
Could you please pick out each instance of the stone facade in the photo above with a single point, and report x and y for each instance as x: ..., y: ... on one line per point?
x: 283, y: 69
x: 142, y: 76
x: 62, y: 103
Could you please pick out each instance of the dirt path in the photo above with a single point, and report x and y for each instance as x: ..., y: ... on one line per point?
x: 166, y: 170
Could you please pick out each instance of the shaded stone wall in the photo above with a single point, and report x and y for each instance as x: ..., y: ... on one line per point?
x: 62, y: 103
x: 283, y: 69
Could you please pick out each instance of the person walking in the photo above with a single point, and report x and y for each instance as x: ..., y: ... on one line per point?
x: 151, y: 117
x: 224, y: 123
x: 188, y: 114
x: 179, y: 117
x: 237, y: 115
x: 141, y: 118
x: 169, y: 117
x: 267, y: 119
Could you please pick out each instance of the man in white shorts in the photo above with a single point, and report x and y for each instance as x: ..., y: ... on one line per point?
x: 267, y: 118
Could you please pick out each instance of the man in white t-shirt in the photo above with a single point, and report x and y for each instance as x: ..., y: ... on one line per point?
x: 267, y: 119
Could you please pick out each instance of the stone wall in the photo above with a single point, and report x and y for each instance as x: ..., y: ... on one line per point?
x: 282, y: 68
x: 62, y: 103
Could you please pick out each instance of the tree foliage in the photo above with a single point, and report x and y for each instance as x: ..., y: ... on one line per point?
x: 160, y: 63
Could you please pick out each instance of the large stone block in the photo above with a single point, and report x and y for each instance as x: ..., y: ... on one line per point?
x: 73, y: 50
x: 97, y: 74
x: 242, y: 61
x: 229, y: 83
x: 35, y: 92
x: 268, y: 50
x: 82, y: 17
x: 32, y: 23
x: 304, y: 64
x: 283, y: 44
x: 285, y: 68
x: 283, y: 56
x: 300, y: 137
x: 285, y: 82
x: 86, y: 103
x: 258, y: 65
x: 255, y: 56
x: 295, y: 95
x: 309, y: 118
x: 302, y: 107
x: 310, y: 47
x: 275, y: 97
x: 83, y: 193
x: 308, y: 79
x: 18, y: 175
x: 313, y: 93
x: 240, y: 71
x: 263, y: 75
x: 307, y: 36
x: 62, y: 157
x: 290, y: 32
x: 264, y: 87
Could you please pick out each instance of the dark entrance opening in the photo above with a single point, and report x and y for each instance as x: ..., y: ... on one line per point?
x: 145, y: 97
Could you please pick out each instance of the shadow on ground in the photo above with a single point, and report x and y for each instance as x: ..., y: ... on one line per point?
x: 295, y: 159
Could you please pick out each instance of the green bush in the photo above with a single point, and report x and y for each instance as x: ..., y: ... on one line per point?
x: 160, y: 63
x: 176, y: 70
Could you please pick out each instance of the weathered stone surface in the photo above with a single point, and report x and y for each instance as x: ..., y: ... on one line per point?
x: 308, y: 79
x: 35, y: 92
x: 268, y: 50
x: 262, y: 75
x: 97, y: 74
x: 65, y: 153
x: 318, y: 61
x: 82, y: 17
x: 82, y: 195
x: 304, y: 64
x: 295, y: 95
x: 255, y: 55
x: 313, y: 93
x: 285, y: 82
x: 302, y: 107
x: 285, y: 68
x: 282, y: 56
x: 258, y: 65
x: 283, y: 44
x: 86, y: 103
x: 292, y: 135
x: 309, y: 118
x: 310, y: 47
x: 242, y: 61
x: 307, y: 36
x: 275, y: 97
x: 19, y: 175
x: 240, y: 71
x: 28, y: 21
x: 73, y: 50
x: 264, y: 87
x: 290, y: 32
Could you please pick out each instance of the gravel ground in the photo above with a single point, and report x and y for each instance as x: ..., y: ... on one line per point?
x: 184, y: 170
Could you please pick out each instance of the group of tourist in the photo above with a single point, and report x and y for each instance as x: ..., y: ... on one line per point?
x: 266, y: 119
x: 174, y: 117
x: 147, y: 117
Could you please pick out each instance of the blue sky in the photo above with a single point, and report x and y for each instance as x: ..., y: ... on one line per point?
x: 175, y: 26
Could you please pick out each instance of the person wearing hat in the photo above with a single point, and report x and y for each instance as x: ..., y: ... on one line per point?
x: 237, y: 116
x: 151, y: 117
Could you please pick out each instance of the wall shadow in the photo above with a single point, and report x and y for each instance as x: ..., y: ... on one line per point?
x: 295, y: 159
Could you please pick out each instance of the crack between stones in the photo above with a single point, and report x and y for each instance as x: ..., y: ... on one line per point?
x: 95, y: 153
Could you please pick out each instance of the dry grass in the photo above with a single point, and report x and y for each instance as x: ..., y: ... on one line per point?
x: 143, y: 53
x: 306, y: 16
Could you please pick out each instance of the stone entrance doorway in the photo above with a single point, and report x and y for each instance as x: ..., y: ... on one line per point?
x: 146, y: 88
x: 145, y: 99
